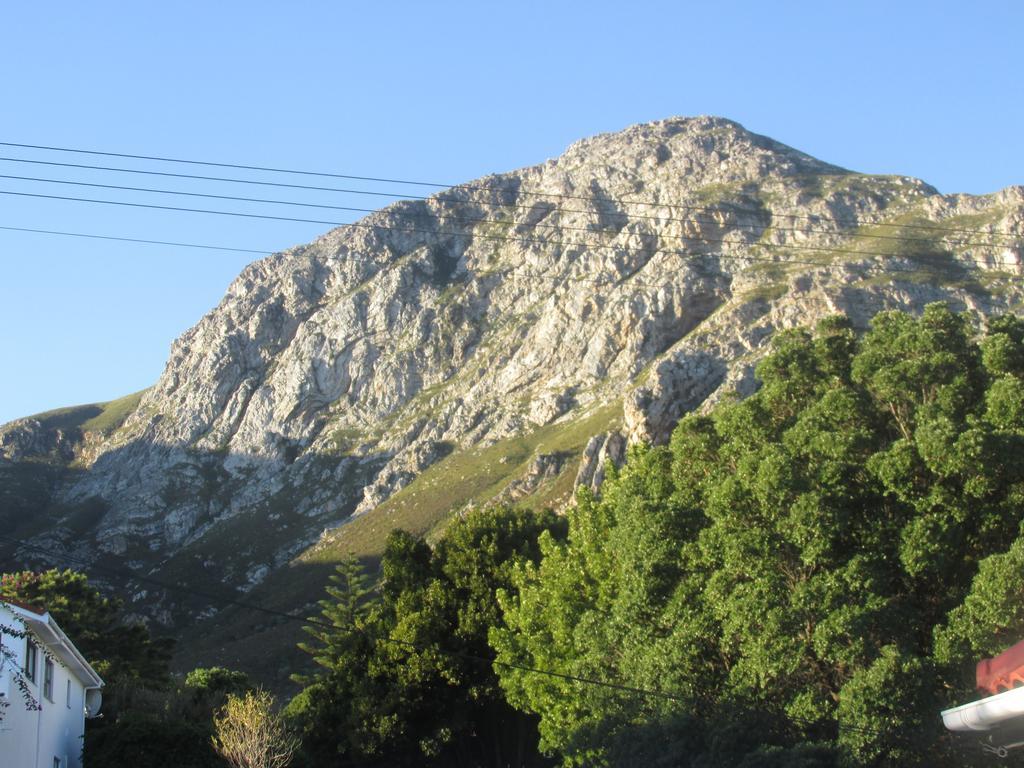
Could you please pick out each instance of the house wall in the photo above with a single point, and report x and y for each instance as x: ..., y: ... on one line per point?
x: 32, y: 739
x: 18, y: 729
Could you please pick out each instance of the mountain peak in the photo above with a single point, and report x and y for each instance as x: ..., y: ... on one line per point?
x: 702, y: 149
x: 501, y: 340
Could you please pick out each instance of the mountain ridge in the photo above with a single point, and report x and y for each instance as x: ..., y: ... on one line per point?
x: 638, y: 276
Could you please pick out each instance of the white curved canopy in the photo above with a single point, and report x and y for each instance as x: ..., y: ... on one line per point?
x: 986, y: 714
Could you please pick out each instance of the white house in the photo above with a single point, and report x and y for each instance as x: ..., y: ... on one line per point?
x: 45, y: 729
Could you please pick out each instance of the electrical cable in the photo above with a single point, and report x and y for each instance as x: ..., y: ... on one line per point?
x: 225, y: 179
x: 224, y: 165
x: 133, y: 240
x: 484, y: 220
x: 285, y: 615
x: 467, y: 186
x: 475, y: 274
x: 229, y: 601
x: 502, y: 238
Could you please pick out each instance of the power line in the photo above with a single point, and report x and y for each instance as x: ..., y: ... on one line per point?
x: 229, y: 601
x: 179, y: 209
x: 225, y: 165
x: 501, y: 238
x: 183, y: 193
x: 191, y: 176
x: 127, y: 573
x: 133, y: 240
x: 476, y: 274
x: 701, y: 210
x: 481, y: 220
x: 448, y: 187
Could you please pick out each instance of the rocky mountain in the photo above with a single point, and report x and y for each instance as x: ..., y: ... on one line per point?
x: 499, y: 340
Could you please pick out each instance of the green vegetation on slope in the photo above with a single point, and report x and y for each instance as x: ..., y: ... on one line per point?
x: 113, y: 414
x: 472, y: 476
x: 244, y: 639
x: 93, y: 417
x: 71, y: 417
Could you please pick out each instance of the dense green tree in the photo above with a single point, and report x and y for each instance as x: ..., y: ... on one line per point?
x: 342, y: 623
x: 407, y: 679
x: 122, y: 652
x: 146, y: 740
x: 148, y: 719
x: 166, y: 728
x: 206, y: 689
x: 825, y: 558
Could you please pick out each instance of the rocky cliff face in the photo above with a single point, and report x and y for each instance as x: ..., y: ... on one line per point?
x: 647, y: 268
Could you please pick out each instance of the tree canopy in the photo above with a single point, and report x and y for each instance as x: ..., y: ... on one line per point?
x: 147, y: 722
x: 802, y: 579
x: 810, y: 573
x: 406, y: 679
x: 122, y: 652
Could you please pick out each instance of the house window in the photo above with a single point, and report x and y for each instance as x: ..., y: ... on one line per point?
x: 48, y: 679
x: 69, y: 695
x: 31, y: 653
x: 57, y: 762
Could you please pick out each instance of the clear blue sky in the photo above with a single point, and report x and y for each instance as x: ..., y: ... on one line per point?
x: 433, y: 91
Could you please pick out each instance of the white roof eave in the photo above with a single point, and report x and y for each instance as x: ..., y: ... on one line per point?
x: 985, y: 714
x: 50, y: 633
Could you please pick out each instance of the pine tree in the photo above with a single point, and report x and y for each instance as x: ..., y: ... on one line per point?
x: 343, y: 613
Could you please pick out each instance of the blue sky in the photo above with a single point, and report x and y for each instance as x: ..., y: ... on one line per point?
x: 440, y: 92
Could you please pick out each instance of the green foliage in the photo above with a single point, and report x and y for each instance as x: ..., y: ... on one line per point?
x: 69, y: 418
x: 146, y: 720
x: 113, y: 414
x: 407, y: 679
x: 165, y: 728
x: 207, y: 688
x: 103, y: 418
x: 463, y: 478
x: 122, y: 653
x: 143, y: 740
x: 337, y: 632
x: 810, y: 572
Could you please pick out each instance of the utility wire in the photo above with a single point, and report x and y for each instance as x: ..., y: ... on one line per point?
x: 501, y: 238
x: 450, y: 187
x: 127, y: 573
x: 224, y: 165
x: 133, y: 240
x: 481, y: 273
x: 611, y: 280
x: 485, y: 220
x: 207, y: 195
x: 283, y: 185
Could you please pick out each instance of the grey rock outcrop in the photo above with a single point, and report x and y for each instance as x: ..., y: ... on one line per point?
x: 601, y: 450
x: 543, y: 468
x: 649, y: 267
x: 30, y: 438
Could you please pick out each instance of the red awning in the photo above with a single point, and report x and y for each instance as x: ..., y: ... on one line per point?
x: 1002, y: 672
